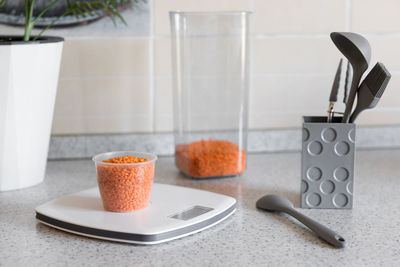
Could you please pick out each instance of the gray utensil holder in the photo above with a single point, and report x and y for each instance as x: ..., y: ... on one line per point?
x: 327, y: 167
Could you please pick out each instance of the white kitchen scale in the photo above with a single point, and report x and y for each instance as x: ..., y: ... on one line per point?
x: 173, y: 212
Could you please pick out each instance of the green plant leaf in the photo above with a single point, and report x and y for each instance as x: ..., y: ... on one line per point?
x: 83, y: 9
x: 80, y: 9
x: 45, y: 10
x: 113, y: 3
x: 29, y: 4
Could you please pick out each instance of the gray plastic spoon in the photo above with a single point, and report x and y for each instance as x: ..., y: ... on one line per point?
x: 279, y: 203
x: 358, y: 52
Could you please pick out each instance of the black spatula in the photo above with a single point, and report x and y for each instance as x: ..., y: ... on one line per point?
x: 371, y: 89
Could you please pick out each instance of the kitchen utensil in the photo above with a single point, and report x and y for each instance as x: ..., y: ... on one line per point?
x: 173, y: 212
x: 327, y: 163
x: 371, y: 89
x: 279, y: 203
x: 334, y: 91
x: 347, y: 83
x: 358, y: 51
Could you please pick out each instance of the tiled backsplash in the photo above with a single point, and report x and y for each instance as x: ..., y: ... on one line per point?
x: 118, y: 80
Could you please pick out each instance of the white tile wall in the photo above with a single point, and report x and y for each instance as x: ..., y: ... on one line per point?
x: 161, y: 8
x: 104, y: 87
x: 163, y: 104
x: 386, y: 48
x: 98, y: 57
x: 391, y: 98
x: 375, y: 16
x: 103, y: 105
x: 280, y: 100
x: 123, y: 84
x: 295, y: 55
x: 299, y: 16
x: 162, y: 56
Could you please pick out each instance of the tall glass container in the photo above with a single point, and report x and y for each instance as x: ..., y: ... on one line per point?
x: 210, y: 58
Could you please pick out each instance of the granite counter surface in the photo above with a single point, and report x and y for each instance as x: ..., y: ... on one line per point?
x: 249, y: 237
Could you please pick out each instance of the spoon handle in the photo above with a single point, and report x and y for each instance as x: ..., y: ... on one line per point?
x: 352, y: 95
x: 322, y: 231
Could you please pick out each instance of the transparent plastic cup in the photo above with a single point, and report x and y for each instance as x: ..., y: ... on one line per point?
x: 210, y: 63
x: 125, y: 186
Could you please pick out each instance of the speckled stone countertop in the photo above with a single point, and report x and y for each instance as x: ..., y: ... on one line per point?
x: 249, y: 237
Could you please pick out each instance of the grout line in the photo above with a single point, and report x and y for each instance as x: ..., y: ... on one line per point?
x: 163, y: 76
x: 100, y: 116
x: 348, y: 27
x: 394, y: 72
x: 382, y: 35
x: 304, y: 35
x: 301, y: 74
x: 349, y: 13
x: 250, y: 113
x: 259, y: 113
x: 115, y: 77
x: 161, y: 37
x: 269, y: 35
x: 252, y: 4
x: 249, y: 99
x: 169, y: 76
x: 107, y: 37
x: 291, y: 35
x: 386, y: 108
x: 301, y: 112
x: 152, y: 67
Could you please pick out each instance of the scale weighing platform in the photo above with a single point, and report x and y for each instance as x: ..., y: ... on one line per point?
x: 173, y: 212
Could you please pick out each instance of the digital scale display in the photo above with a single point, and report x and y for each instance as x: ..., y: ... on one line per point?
x: 191, y: 213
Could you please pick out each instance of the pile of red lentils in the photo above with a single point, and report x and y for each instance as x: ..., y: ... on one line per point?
x: 208, y: 158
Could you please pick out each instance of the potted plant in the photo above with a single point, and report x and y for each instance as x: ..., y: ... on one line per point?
x: 29, y: 69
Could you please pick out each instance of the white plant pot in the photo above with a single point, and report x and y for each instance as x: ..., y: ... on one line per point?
x: 28, y: 84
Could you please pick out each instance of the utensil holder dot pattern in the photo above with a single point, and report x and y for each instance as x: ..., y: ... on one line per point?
x: 328, y: 152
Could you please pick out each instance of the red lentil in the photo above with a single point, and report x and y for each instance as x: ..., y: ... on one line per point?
x: 207, y: 158
x: 125, y: 159
x: 125, y: 187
